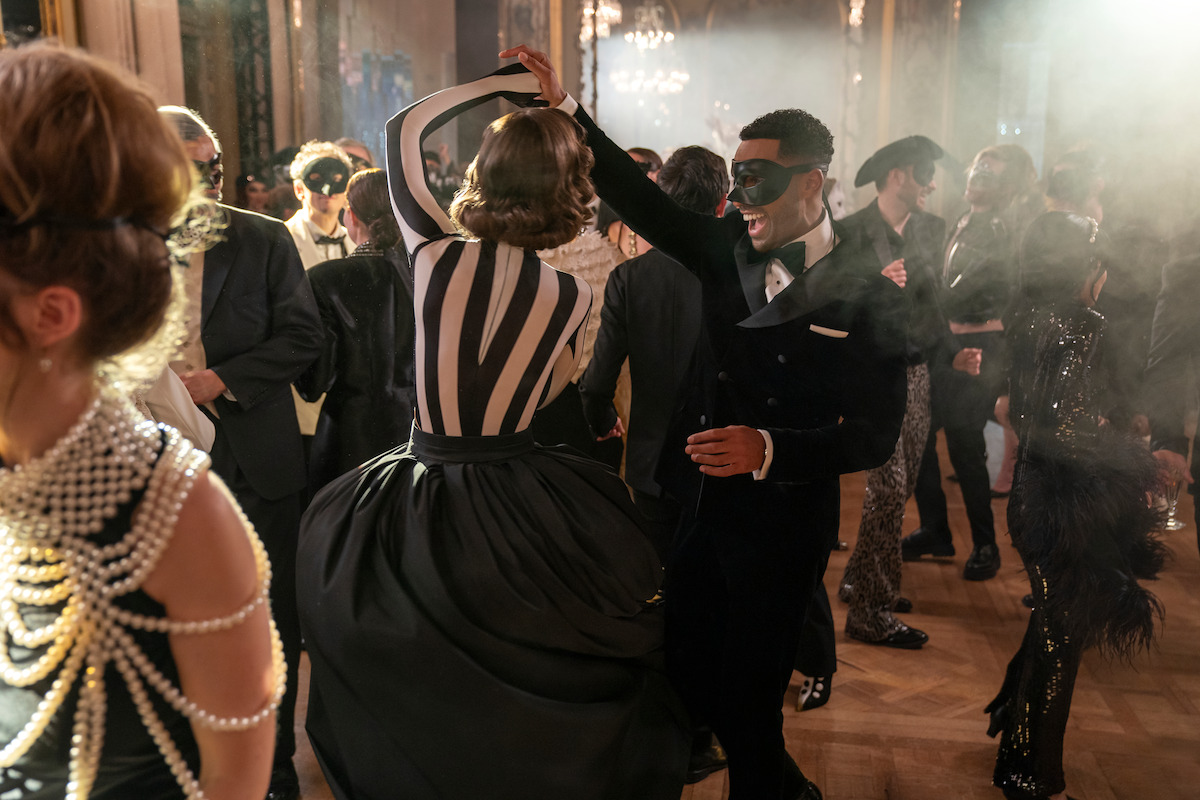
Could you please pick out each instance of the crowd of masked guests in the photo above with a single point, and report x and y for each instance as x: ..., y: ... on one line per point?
x: 300, y: 352
x: 964, y: 279
x: 271, y: 190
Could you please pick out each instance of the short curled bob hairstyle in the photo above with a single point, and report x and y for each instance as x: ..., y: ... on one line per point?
x: 91, y: 180
x: 530, y: 184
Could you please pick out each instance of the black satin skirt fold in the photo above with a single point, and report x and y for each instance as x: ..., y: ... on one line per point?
x: 475, y: 612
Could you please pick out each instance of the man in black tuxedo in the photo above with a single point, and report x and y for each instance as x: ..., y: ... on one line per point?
x: 800, y: 378
x: 651, y: 314
x: 252, y: 328
x: 1170, y: 371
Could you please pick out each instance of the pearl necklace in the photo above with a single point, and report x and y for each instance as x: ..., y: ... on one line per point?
x: 49, y: 508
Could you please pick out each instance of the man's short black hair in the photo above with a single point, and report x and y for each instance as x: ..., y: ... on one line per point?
x: 696, y: 178
x: 800, y: 135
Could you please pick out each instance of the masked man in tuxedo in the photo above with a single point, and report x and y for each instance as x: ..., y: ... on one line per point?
x: 252, y: 328
x: 799, y: 377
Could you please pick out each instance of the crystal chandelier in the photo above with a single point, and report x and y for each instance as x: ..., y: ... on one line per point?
x: 648, y: 32
x: 856, y: 13
x: 658, y: 81
x: 598, y: 18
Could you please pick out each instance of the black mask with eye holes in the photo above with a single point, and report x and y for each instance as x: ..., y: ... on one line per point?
x: 759, y: 182
x: 923, y: 172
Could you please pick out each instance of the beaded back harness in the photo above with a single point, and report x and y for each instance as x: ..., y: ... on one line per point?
x: 49, y: 510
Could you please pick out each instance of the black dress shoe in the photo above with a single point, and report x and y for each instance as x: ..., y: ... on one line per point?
x: 902, y: 605
x: 983, y: 563
x: 814, y: 692
x: 903, y: 638
x: 809, y: 792
x: 704, y: 763
x: 925, y: 542
x: 285, y: 785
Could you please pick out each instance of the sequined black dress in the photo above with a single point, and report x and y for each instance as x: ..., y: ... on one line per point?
x: 1079, y: 519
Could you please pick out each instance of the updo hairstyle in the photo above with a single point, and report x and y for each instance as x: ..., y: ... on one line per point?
x: 530, y: 184
x: 1059, y: 253
x: 90, y: 182
x: 367, y: 195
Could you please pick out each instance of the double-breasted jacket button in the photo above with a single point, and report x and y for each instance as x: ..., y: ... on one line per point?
x: 772, y: 402
x: 782, y: 358
x: 703, y: 419
x: 723, y: 376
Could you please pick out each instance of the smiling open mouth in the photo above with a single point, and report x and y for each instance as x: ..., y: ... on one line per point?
x: 756, y: 221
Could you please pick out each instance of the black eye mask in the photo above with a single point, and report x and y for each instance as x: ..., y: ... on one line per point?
x: 326, y: 176
x: 923, y: 172
x: 759, y: 182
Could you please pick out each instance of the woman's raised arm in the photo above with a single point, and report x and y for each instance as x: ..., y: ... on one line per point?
x: 421, y: 218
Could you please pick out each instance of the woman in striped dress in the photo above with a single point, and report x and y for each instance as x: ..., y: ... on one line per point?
x: 477, y: 608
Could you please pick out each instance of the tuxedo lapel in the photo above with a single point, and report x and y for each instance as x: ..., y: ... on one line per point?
x: 815, y: 287
x: 752, y: 272
x: 217, y: 262
x: 877, y: 230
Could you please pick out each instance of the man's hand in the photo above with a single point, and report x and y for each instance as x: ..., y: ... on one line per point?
x: 1174, y: 465
x: 722, y: 452
x: 203, y: 385
x: 617, y: 432
x: 968, y: 360
x: 539, y: 64
x: 895, y: 271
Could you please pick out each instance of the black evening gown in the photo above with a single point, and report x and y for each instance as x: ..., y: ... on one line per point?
x: 478, y: 609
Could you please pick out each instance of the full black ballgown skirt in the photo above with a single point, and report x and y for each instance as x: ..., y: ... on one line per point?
x: 476, y: 613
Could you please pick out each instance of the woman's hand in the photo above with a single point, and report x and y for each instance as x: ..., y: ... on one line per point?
x: 539, y: 64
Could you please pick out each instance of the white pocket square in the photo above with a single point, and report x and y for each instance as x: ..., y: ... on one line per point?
x: 831, y: 332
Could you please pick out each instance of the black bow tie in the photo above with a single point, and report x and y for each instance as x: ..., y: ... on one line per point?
x: 331, y: 239
x: 791, y: 255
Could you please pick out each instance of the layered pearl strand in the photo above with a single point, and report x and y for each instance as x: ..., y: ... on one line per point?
x: 49, y: 508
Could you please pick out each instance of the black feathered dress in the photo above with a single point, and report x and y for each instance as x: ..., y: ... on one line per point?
x: 1079, y: 517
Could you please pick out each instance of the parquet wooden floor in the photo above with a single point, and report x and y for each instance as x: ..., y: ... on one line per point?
x: 909, y: 725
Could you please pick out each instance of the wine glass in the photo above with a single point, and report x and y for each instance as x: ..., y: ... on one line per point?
x: 1174, y: 482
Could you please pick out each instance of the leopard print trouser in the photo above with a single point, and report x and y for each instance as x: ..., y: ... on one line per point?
x: 873, y: 571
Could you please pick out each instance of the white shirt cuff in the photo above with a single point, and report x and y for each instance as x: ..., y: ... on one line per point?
x: 761, y: 473
x: 568, y: 106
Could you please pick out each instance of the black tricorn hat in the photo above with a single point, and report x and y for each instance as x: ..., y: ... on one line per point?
x: 900, y: 153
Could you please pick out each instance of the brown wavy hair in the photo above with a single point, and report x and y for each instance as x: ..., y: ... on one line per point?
x: 530, y: 184
x: 368, y: 197
x: 91, y: 180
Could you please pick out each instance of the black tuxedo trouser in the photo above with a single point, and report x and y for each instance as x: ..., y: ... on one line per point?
x: 277, y: 523
x: 737, y: 595
x: 962, y: 405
